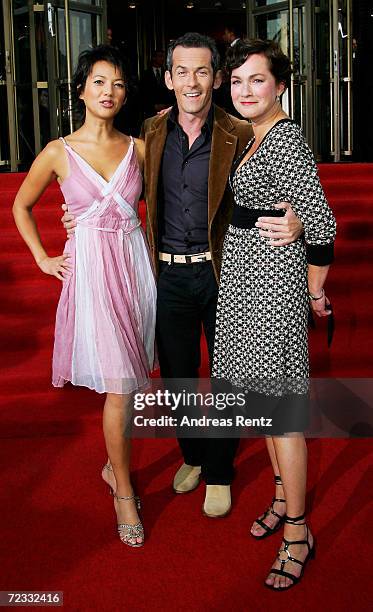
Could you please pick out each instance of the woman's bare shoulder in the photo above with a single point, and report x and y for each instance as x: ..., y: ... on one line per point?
x: 53, y: 149
x: 52, y: 159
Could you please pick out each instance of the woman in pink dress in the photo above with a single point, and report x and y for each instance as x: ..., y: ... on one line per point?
x: 104, y: 336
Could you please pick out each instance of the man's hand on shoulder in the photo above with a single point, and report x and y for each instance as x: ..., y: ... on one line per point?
x: 164, y: 111
x: 281, y: 230
x: 68, y: 221
x: 140, y: 150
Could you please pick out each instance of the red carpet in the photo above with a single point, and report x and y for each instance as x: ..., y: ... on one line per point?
x: 57, y: 521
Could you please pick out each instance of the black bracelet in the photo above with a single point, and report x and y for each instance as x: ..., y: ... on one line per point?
x: 314, y: 298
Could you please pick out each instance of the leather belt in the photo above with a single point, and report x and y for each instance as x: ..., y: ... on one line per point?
x: 185, y: 259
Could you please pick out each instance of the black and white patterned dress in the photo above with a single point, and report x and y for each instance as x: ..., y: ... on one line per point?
x: 262, y: 315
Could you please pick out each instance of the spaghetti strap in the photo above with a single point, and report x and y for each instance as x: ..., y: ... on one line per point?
x: 107, y: 184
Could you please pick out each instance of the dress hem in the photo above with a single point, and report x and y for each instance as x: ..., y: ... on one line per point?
x: 66, y: 380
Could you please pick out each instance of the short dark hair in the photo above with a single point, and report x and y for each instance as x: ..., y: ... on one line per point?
x: 86, y: 60
x: 193, y: 40
x: 278, y: 62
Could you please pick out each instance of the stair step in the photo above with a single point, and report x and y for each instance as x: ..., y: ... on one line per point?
x: 347, y: 252
x: 53, y: 243
x: 37, y: 299
x: 348, y: 189
x: 351, y: 172
x: 354, y: 230
x: 352, y: 208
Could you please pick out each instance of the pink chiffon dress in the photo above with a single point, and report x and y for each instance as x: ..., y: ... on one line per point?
x: 105, y: 322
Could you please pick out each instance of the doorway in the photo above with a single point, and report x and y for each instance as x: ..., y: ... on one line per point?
x: 39, y: 45
x: 329, y: 42
x: 316, y: 34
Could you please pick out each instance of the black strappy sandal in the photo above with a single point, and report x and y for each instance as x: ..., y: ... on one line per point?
x: 270, y: 530
x: 284, y: 556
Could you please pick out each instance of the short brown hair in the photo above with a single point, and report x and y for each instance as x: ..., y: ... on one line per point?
x: 278, y: 62
x: 192, y: 40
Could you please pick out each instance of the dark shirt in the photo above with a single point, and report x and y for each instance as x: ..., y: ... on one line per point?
x: 183, y: 193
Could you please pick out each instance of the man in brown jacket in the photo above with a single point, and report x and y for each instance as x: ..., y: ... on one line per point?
x: 189, y: 153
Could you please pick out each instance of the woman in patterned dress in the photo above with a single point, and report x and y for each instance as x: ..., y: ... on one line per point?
x: 261, y: 341
x: 104, y: 335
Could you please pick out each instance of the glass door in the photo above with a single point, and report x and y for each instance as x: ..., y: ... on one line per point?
x: 341, y: 136
x: 25, y: 126
x: 289, y: 23
x: 334, y: 79
x: 72, y: 27
x: 317, y: 36
x: 4, y: 129
x: 39, y: 46
x: 20, y: 105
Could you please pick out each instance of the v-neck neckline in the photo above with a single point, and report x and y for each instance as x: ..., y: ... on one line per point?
x: 252, y: 140
x: 99, y: 176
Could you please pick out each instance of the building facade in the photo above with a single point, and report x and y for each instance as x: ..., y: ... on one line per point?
x: 328, y: 41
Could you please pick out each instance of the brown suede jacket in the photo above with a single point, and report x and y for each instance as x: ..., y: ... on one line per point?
x: 229, y: 137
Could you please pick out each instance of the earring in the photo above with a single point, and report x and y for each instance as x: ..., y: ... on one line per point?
x: 277, y: 99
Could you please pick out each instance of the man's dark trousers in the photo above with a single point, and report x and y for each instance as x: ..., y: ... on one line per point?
x: 187, y: 300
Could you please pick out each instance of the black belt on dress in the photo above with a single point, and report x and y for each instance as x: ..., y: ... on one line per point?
x: 245, y: 218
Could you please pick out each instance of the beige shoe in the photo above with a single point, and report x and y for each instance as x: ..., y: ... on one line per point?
x: 187, y: 478
x: 218, y: 501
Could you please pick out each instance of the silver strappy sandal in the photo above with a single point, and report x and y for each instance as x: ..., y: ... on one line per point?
x: 107, y: 468
x: 129, y: 532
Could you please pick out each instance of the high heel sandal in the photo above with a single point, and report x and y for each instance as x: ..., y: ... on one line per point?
x: 107, y: 468
x: 127, y: 531
x: 281, y: 518
x: 284, y: 555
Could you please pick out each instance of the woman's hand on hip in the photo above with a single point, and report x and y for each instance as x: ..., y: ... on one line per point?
x: 56, y: 266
